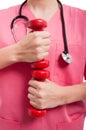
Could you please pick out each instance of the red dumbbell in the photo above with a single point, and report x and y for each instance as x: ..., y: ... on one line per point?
x: 38, y: 68
x: 40, y: 64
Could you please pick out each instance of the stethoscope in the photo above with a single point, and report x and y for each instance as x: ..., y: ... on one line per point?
x: 65, y: 54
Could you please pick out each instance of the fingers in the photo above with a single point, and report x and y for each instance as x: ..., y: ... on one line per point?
x: 36, y: 105
x: 43, y: 34
x: 32, y: 91
x: 41, y: 56
x: 40, y: 38
x: 36, y: 94
x: 35, y: 88
x: 34, y: 47
x: 41, y: 49
x: 33, y: 100
x: 36, y: 101
x: 35, y: 84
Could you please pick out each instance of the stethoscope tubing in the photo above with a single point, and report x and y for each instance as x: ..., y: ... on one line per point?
x: 65, y: 54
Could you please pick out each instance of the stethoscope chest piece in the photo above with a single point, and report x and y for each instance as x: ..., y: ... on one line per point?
x: 66, y: 57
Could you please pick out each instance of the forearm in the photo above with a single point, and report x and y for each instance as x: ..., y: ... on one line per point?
x: 75, y: 93
x: 8, y: 56
x: 47, y: 94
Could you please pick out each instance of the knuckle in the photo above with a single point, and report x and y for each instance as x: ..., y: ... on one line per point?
x: 31, y: 103
x: 37, y: 50
x: 38, y: 57
x: 35, y: 34
x: 46, y: 54
x: 28, y: 96
x: 47, y: 48
x: 48, y: 41
x: 37, y: 41
x: 41, y: 94
x: 41, y: 106
x: 29, y: 89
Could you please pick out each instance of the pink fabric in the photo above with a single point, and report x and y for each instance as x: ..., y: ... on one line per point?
x: 13, y: 79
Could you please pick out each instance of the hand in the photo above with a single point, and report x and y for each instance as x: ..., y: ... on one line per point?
x: 45, y: 94
x: 33, y: 47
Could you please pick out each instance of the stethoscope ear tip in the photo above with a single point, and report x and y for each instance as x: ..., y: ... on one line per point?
x: 67, y: 57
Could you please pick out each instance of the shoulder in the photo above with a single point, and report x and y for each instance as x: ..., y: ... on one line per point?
x: 76, y: 16
x: 9, y: 9
x: 8, y: 12
x: 73, y: 9
x: 74, y: 12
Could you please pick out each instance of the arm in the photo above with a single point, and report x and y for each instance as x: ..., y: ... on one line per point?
x: 33, y: 47
x: 75, y: 93
x: 8, y: 56
x: 49, y: 95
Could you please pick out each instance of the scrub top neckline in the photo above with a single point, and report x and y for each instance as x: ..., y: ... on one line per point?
x: 27, y: 12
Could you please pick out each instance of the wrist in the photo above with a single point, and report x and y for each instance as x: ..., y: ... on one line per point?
x: 7, y: 56
x: 66, y: 95
x: 17, y: 53
x: 62, y: 96
x: 69, y: 95
x: 74, y: 93
x: 13, y: 54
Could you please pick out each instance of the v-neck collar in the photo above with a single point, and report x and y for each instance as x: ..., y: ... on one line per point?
x: 27, y: 12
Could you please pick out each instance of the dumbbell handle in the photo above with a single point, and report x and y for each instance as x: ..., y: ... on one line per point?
x: 40, y: 64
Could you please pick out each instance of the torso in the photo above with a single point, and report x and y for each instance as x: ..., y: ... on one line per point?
x: 14, y: 79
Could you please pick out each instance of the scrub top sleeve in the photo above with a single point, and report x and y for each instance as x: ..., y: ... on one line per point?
x: 82, y: 19
x: 85, y: 72
x: 85, y: 42
x: 6, y: 16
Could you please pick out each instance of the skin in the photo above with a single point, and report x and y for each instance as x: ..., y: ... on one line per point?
x: 34, y: 47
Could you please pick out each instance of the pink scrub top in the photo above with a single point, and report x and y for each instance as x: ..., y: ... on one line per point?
x: 14, y: 78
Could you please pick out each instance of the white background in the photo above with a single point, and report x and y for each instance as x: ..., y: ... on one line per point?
x: 76, y: 3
